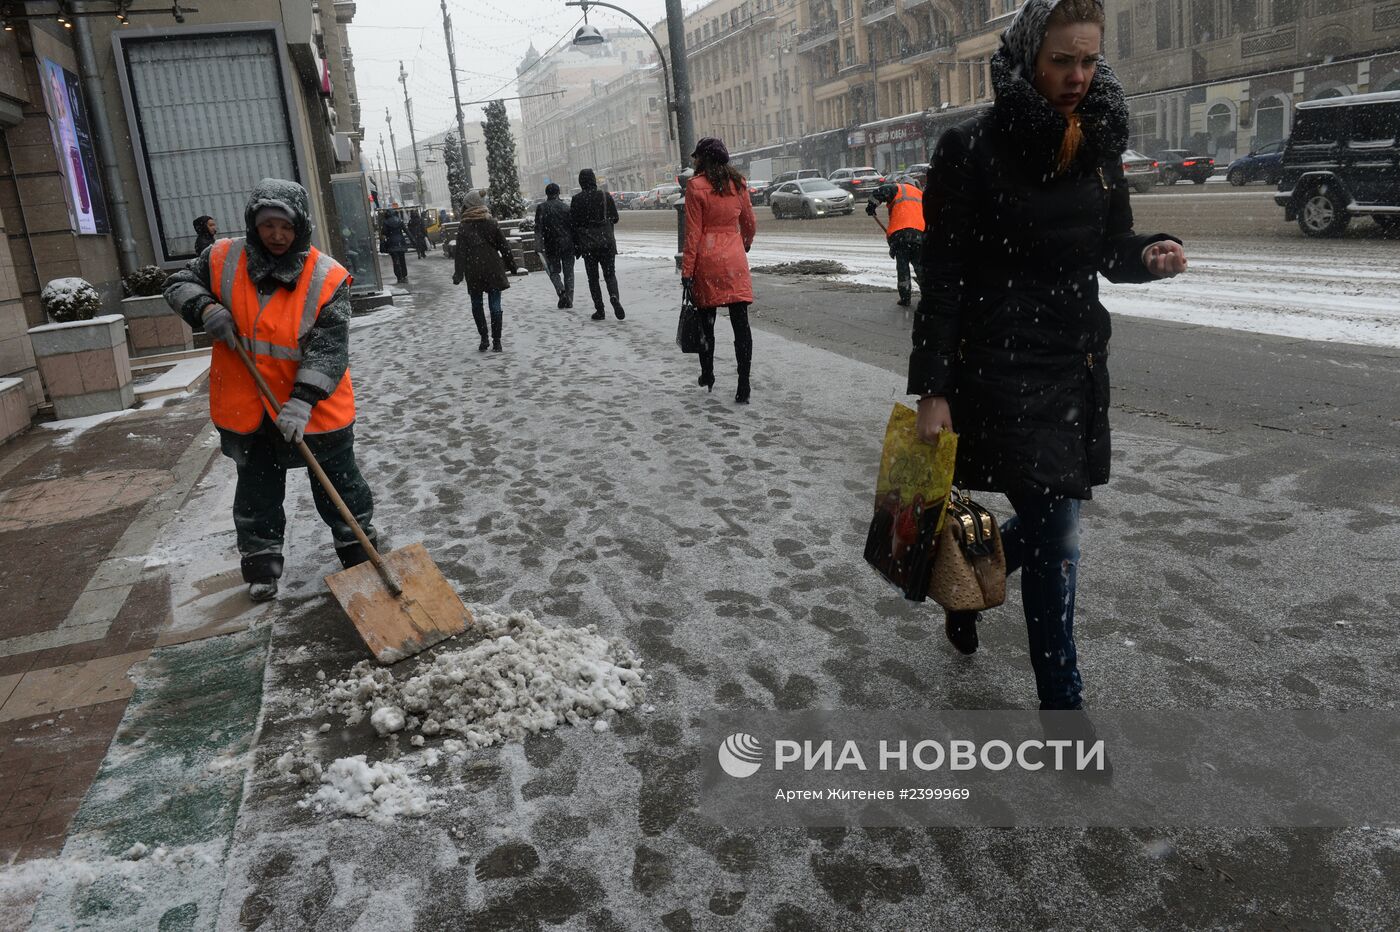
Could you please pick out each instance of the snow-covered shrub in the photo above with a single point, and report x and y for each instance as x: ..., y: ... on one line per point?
x: 69, y: 299
x: 146, y: 282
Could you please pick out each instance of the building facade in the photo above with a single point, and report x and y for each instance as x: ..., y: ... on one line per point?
x: 621, y: 132
x: 434, y: 165
x: 117, y: 135
x: 1222, y: 78
x: 554, y: 84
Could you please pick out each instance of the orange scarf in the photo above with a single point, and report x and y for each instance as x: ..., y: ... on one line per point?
x: 1069, y: 146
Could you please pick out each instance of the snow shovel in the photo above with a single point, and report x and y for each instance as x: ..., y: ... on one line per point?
x: 399, y: 601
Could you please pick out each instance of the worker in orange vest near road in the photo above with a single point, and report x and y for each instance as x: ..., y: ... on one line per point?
x: 288, y: 304
x: 905, y: 233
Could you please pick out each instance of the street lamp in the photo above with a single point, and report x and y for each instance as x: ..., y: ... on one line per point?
x: 678, y: 74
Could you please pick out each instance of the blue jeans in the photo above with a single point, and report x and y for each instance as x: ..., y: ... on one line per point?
x: 493, y: 298
x: 1042, y: 541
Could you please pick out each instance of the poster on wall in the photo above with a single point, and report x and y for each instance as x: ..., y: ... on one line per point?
x: 68, y: 121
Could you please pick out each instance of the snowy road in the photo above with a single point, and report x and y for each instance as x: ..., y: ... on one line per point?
x: 1340, y: 290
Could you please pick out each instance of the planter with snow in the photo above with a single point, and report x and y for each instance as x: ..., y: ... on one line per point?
x: 84, y: 365
x: 154, y: 328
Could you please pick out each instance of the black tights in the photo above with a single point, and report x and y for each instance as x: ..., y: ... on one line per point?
x: 743, y: 339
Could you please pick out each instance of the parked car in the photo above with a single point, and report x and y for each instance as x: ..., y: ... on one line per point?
x: 1342, y: 162
x: 1264, y: 163
x: 1139, y: 171
x: 655, y: 199
x: 756, y: 189
x: 785, y: 177
x: 858, y: 181
x: 628, y: 201
x: 1176, y: 164
x: 810, y: 197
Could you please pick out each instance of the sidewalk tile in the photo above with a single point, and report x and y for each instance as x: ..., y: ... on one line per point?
x: 71, y: 686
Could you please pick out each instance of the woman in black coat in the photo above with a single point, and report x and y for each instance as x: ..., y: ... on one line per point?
x: 482, y: 257
x: 1026, y: 205
x: 394, y: 233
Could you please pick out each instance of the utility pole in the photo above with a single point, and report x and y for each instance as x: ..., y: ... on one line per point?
x: 384, y: 171
x: 680, y: 75
x: 456, y: 95
x: 394, y: 148
x: 412, y: 139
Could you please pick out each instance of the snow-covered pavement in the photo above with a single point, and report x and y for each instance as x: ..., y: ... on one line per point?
x: 1345, y: 291
x: 584, y: 477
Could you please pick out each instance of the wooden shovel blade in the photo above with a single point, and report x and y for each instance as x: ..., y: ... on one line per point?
x: 394, y: 627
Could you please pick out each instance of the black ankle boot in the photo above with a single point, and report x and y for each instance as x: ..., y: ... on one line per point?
x: 707, y: 380
x: 961, y: 629
x: 742, y: 395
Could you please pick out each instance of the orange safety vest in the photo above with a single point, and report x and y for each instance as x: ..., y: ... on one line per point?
x: 271, y: 331
x: 906, y: 210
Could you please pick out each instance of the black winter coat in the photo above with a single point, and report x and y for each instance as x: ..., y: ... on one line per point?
x: 553, y: 235
x: 395, y: 234
x: 592, y: 214
x: 1010, y: 327
x: 482, y: 256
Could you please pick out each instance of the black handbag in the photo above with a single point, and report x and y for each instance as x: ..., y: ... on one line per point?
x: 690, y: 333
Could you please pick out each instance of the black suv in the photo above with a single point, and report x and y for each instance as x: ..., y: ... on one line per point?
x: 1343, y: 161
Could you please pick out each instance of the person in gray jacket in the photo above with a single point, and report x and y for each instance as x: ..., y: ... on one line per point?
x: 555, y: 241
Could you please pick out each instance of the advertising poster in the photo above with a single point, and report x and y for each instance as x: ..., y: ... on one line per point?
x: 73, y: 142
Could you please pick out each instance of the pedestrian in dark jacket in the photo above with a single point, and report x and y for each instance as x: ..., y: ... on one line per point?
x: 719, y: 229
x: 394, y: 232
x: 418, y: 233
x: 288, y: 305
x: 555, y: 241
x: 1025, y: 206
x: 592, y: 214
x: 482, y: 258
x: 204, y: 232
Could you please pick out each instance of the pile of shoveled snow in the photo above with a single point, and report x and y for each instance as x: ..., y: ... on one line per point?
x: 380, y: 791
x: 523, y: 677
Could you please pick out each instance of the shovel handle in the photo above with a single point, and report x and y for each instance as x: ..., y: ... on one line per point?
x: 320, y: 474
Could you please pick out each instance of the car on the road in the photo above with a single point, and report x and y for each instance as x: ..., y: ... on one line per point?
x: 1139, y: 171
x: 859, y: 181
x: 656, y: 198
x: 756, y: 189
x: 1262, y: 164
x: 1343, y: 161
x: 1183, y: 164
x: 810, y: 198
x: 785, y: 177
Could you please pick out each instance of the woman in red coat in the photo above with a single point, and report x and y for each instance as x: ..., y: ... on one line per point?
x: 719, y: 228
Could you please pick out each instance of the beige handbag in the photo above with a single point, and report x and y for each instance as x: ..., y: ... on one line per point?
x: 969, y: 565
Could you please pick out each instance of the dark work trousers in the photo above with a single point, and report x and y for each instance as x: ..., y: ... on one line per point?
x: 400, y: 265
x: 560, y: 266
x: 261, y: 522
x: 743, y: 339
x: 1042, y: 541
x: 608, y: 262
x: 906, y: 257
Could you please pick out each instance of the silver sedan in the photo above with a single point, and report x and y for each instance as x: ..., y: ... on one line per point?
x: 809, y: 198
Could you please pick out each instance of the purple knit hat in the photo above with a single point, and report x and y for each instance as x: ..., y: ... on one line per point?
x: 711, y: 149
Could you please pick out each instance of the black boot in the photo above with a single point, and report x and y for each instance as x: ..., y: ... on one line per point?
x: 497, y: 324
x: 599, y: 315
x: 961, y: 629
x: 480, y: 317
x: 260, y: 572
x: 904, y: 298
x: 707, y: 372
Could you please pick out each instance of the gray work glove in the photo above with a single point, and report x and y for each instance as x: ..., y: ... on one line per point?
x: 293, y: 419
x: 218, y: 323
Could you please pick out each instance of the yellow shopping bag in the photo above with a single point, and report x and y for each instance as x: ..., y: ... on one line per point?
x: 911, y: 495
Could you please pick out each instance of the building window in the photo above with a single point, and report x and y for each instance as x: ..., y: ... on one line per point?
x: 1125, y: 35
x: 1164, y: 25
x: 1285, y: 11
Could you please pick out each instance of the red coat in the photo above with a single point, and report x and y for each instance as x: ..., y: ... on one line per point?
x: 719, y: 229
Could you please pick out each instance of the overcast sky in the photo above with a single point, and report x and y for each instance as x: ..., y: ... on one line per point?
x: 491, y: 37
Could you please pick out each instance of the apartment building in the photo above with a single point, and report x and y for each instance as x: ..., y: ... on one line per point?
x: 434, y: 165
x: 749, y: 85
x: 883, y: 71
x: 567, y: 76
x: 621, y: 131
x: 1221, y: 76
